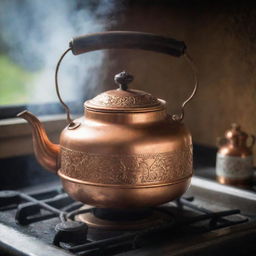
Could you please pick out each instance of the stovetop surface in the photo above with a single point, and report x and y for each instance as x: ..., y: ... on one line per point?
x: 45, y: 229
x: 208, y: 215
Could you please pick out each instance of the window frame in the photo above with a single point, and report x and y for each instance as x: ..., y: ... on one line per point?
x: 15, y: 133
x: 51, y: 108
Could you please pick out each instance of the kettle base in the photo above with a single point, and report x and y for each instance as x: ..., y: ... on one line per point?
x: 120, y: 197
x: 109, y: 219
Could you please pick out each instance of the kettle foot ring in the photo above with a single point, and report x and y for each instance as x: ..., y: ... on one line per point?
x: 153, y: 217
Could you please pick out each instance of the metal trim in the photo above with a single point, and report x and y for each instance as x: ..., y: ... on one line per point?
x: 17, y: 243
x: 214, y: 186
x: 122, y: 186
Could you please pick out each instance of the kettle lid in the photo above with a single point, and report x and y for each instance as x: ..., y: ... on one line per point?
x: 124, y: 99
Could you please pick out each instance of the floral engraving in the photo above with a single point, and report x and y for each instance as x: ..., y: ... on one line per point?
x: 125, y: 101
x: 127, y: 169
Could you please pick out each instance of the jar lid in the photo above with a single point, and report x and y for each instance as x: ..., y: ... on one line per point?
x: 124, y: 99
x: 235, y: 132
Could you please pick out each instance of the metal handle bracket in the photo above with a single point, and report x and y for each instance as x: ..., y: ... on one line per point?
x: 131, y: 40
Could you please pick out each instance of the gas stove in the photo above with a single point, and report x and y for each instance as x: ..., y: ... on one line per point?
x: 209, y: 219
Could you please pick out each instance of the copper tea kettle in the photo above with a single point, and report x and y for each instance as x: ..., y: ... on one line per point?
x: 126, y: 151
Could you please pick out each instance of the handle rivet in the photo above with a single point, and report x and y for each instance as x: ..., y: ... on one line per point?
x: 73, y: 125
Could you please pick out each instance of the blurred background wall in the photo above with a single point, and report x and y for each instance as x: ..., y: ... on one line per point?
x: 220, y: 36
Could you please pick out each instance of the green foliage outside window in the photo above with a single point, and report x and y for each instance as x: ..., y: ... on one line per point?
x: 14, y: 82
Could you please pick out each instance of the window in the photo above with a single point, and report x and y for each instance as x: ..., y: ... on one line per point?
x: 33, y: 35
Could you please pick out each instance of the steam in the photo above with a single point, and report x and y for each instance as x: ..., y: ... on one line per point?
x: 35, y: 33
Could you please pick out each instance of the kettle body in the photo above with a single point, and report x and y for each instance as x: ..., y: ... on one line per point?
x: 125, y: 151
x: 126, y: 160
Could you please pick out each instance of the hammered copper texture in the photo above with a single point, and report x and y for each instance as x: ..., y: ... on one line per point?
x: 127, y: 169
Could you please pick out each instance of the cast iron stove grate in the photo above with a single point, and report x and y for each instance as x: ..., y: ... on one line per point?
x: 74, y: 236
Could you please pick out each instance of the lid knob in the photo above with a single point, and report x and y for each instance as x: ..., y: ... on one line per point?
x: 123, y: 79
x: 235, y: 126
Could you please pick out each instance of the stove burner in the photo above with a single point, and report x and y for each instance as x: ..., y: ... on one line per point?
x: 118, y: 219
x: 122, y: 214
x: 70, y: 232
x: 9, y: 197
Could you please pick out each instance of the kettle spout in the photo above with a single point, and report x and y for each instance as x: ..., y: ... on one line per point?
x: 47, y: 153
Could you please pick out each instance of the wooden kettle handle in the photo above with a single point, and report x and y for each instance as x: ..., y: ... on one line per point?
x: 127, y: 40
